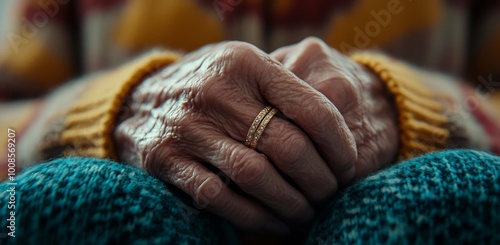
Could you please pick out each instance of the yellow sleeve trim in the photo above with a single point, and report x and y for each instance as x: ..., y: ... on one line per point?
x: 89, y: 124
x: 422, y: 124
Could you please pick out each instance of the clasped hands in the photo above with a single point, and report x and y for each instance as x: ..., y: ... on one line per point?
x: 336, y: 123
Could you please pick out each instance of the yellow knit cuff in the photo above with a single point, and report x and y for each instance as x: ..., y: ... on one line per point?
x: 89, y: 124
x: 422, y: 124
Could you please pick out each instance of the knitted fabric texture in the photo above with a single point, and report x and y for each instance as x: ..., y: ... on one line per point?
x: 422, y: 125
x: 91, y: 121
x: 89, y: 201
x: 449, y: 197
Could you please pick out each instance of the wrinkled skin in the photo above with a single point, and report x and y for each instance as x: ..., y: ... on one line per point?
x: 196, y: 112
x: 356, y: 92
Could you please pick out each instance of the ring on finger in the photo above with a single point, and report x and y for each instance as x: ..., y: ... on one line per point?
x: 258, y: 126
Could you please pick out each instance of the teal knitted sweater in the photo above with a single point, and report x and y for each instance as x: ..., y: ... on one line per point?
x: 450, y: 197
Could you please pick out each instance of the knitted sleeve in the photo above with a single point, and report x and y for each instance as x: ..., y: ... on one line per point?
x: 86, y: 128
x: 431, y: 111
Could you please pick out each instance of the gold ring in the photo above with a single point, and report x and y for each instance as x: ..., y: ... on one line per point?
x: 258, y: 126
x: 255, y: 124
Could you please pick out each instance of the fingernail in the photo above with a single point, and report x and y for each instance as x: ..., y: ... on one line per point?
x: 277, y: 227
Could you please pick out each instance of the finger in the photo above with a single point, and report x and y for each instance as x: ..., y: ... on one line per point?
x: 320, y: 67
x: 323, y: 123
x: 293, y: 152
x: 288, y: 147
x: 280, y: 54
x: 253, y: 173
x: 309, y: 53
x: 305, y: 106
x: 209, y: 191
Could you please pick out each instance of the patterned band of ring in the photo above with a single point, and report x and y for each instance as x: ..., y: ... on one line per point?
x: 255, y: 124
x: 258, y: 126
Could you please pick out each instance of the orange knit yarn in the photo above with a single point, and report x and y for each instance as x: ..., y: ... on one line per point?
x: 91, y: 121
x: 423, y: 127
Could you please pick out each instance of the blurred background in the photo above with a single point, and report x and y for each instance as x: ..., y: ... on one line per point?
x: 4, y: 18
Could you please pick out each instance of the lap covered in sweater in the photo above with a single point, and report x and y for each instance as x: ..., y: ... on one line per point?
x: 92, y: 201
x: 451, y: 196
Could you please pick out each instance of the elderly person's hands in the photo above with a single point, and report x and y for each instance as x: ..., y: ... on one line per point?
x: 193, y: 117
x: 356, y: 92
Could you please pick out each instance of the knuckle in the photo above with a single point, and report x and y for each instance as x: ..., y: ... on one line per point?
x: 293, y: 151
x: 319, y: 116
x: 159, y: 161
x: 326, y: 87
x: 249, y: 170
x: 316, y: 46
x: 344, y: 92
x: 154, y: 168
x: 349, y: 88
x: 238, y: 50
x: 246, y: 59
x: 162, y: 151
x: 281, y: 53
x: 184, y: 174
x: 207, y: 192
x: 352, y: 93
x: 314, y: 42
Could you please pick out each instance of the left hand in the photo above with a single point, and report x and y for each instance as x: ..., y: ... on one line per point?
x: 190, y: 119
x: 357, y: 92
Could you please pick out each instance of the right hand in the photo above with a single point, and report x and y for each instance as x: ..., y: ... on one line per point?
x: 197, y: 112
